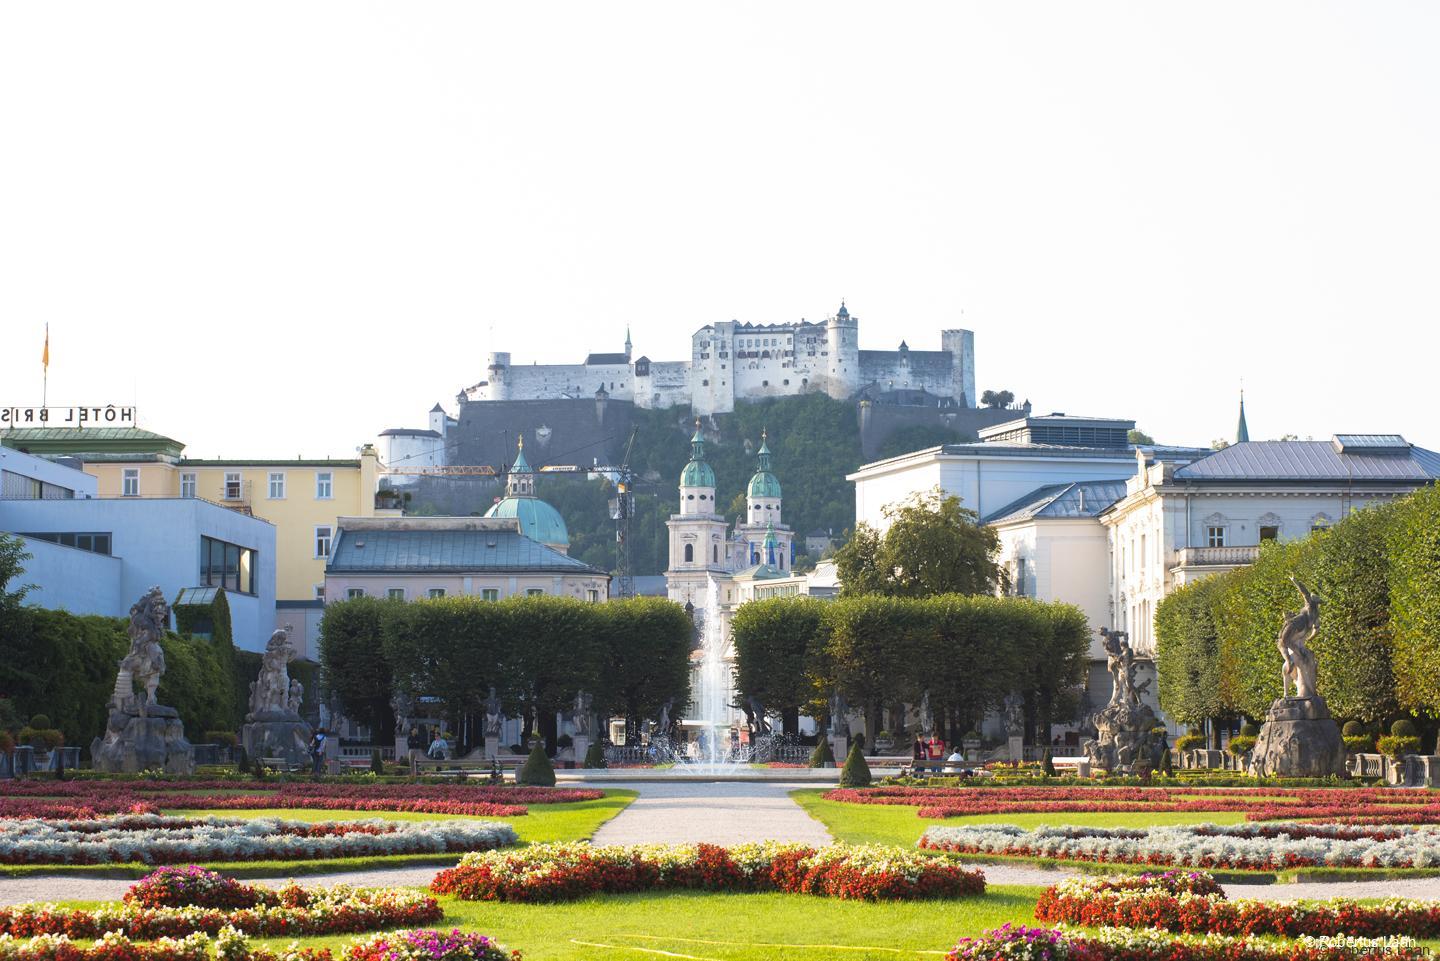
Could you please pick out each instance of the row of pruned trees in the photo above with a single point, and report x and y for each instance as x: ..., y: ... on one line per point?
x: 537, y: 653
x: 1378, y: 645
x: 968, y: 652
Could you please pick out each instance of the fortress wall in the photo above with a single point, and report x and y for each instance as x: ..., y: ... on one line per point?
x: 930, y: 370
x: 668, y: 385
x: 551, y: 381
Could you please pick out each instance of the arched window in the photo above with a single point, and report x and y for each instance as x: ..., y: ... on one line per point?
x: 715, y: 551
x: 689, y: 553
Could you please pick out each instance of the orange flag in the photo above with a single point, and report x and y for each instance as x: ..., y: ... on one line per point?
x: 45, y: 359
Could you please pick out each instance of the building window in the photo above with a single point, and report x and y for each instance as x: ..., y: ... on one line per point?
x: 715, y: 553
x: 436, y: 592
x: 534, y: 591
x: 227, y: 565
x: 323, y: 535
x: 319, y: 592
x: 354, y: 592
x: 187, y: 485
x: 130, y: 483
x: 1268, y: 533
x: 395, y: 594
x: 324, y: 485
x: 94, y: 542
x: 689, y: 553
x: 1214, y: 536
x: 277, y: 485
x: 490, y: 594
x: 592, y: 595
x: 232, y: 486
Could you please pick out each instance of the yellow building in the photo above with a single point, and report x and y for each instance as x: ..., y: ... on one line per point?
x: 303, y: 499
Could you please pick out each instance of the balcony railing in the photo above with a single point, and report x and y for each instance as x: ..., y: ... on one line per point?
x: 1216, y: 556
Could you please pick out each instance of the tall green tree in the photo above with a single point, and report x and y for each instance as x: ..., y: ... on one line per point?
x: 1187, y: 656
x: 646, y: 657
x: 354, y: 665
x: 1413, y: 547
x: 556, y: 650
x: 776, y: 644
x: 873, y: 650
x: 932, y: 546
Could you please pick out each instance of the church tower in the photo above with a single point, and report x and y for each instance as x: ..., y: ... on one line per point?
x: 698, y: 548
x: 765, y: 538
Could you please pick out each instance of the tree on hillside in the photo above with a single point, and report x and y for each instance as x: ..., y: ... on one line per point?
x: 997, y: 398
x: 1137, y: 436
x: 932, y: 546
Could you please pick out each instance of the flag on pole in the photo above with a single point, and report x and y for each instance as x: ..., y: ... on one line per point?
x: 45, y: 358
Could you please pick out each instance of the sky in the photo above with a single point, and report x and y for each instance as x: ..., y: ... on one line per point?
x: 279, y: 228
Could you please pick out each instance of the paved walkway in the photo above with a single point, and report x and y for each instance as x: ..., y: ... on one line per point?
x: 719, y: 813
x: 726, y: 812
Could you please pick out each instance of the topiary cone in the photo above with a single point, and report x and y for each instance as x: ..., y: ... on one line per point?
x: 855, y: 773
x: 537, y: 770
x: 594, y: 755
x: 822, y: 755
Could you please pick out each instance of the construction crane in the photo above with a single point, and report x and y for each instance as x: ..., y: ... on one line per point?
x: 622, y: 508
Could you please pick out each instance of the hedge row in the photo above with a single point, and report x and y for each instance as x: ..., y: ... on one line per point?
x: 1378, y: 573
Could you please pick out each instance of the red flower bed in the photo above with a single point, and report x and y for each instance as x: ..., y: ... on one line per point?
x: 1173, y: 902
x: 562, y: 872
x: 1348, y: 805
x: 74, y: 800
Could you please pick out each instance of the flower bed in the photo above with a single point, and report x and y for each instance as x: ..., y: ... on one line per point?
x: 430, y: 946
x: 560, y: 872
x: 1240, y: 846
x: 229, y: 945
x: 1353, y: 805
x: 153, y: 839
x: 1183, y: 902
x: 1018, y: 943
x: 72, y: 800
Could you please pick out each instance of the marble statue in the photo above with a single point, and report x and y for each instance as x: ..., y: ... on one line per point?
x: 927, y: 719
x: 1299, y: 737
x: 140, y: 733
x: 580, y: 715
x: 273, y: 727
x: 1125, y: 741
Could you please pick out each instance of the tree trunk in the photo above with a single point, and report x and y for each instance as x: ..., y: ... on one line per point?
x: 874, y: 724
x: 550, y: 730
x: 790, y: 720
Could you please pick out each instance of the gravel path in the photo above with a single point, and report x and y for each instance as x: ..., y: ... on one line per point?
x: 726, y: 812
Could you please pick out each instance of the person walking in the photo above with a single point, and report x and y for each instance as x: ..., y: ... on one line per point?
x: 317, y: 752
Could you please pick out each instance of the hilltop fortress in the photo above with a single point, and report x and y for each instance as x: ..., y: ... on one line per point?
x: 730, y: 361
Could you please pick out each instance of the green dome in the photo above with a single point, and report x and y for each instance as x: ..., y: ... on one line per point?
x: 538, y: 520
x: 697, y: 473
x: 764, y: 484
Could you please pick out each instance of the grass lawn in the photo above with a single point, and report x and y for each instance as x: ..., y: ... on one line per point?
x: 899, y: 824
x: 545, y: 822
x: 731, y: 927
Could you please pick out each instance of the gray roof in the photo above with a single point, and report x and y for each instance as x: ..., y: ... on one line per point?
x: 1316, y: 460
x: 1080, y: 499
x: 607, y: 359
x: 409, y: 432
x: 446, y: 551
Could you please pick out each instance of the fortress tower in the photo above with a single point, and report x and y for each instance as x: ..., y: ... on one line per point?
x: 842, y: 343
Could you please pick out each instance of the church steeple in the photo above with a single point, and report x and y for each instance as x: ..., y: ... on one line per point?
x: 627, y: 341
x: 520, y: 482
x: 1242, y: 432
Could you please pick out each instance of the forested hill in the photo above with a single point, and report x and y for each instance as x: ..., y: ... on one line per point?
x: 814, y: 442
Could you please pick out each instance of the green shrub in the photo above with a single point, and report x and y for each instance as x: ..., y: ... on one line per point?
x: 1397, y: 746
x: 1404, y: 728
x: 1189, y: 742
x: 564, y: 741
x: 41, y: 722
x: 1353, y: 729
x: 1167, y: 766
x: 1047, y: 763
x: 594, y: 756
x: 537, y: 770
x: 377, y: 765
x: 1249, y: 729
x: 822, y: 755
x: 222, y: 738
x: 7, y: 743
x: 860, y: 740
x: 855, y: 773
x: 41, y: 739
x: 1241, y: 744
x: 1359, y: 743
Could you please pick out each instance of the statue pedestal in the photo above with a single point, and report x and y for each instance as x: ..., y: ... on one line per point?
x: 133, y: 743
x: 1299, y: 739
x: 580, y: 747
x: 277, y: 734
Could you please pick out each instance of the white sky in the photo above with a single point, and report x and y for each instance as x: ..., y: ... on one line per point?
x: 279, y: 228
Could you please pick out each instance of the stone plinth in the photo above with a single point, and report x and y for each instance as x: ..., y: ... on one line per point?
x: 134, y: 743
x: 1299, y: 739
x: 277, y: 734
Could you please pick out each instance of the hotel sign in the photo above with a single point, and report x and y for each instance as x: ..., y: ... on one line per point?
x: 108, y: 416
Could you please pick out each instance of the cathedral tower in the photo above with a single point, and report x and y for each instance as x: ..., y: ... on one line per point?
x: 697, y: 534
x: 761, y: 532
